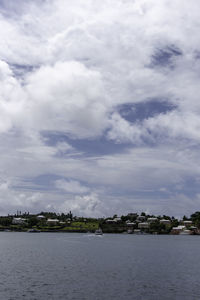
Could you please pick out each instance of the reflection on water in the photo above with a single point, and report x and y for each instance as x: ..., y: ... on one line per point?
x: 85, y: 266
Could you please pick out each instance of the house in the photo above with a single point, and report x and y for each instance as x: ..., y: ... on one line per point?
x: 187, y: 223
x: 18, y: 221
x: 151, y: 220
x: 52, y: 221
x: 143, y: 225
x: 165, y: 222
x: 117, y: 219
x: 194, y: 229
x: 110, y: 221
x: 178, y: 229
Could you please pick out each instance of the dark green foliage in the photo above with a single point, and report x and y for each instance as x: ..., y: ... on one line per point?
x: 175, y: 222
x: 32, y: 221
x: 124, y: 218
x: 5, y: 221
x: 196, y: 218
x: 157, y: 227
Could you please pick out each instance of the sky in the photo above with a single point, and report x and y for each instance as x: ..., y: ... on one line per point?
x: 100, y: 106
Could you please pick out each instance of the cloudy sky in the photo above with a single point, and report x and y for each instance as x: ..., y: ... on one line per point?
x: 100, y: 106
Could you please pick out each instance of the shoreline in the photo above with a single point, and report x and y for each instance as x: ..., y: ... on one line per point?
x: 90, y: 232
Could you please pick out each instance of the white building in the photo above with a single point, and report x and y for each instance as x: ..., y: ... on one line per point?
x: 52, y: 221
x: 165, y: 222
x: 110, y: 221
x: 151, y: 220
x: 178, y: 229
x: 117, y: 219
x: 143, y: 225
x: 187, y: 223
x: 18, y: 221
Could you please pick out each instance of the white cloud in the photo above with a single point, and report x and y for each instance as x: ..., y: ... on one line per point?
x: 86, y: 205
x: 122, y: 131
x: 11, y: 98
x: 66, y: 97
x: 71, y: 186
x: 94, y: 57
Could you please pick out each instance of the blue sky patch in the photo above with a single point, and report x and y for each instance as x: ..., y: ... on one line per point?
x: 20, y: 70
x: 88, y: 147
x: 140, y: 111
x: 163, y: 57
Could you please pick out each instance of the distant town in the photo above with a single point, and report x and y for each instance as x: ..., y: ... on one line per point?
x: 132, y: 223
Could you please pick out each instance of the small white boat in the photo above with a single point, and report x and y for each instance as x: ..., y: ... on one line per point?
x: 33, y: 230
x: 99, y: 232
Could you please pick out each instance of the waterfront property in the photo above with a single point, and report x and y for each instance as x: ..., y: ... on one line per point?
x: 151, y: 220
x: 19, y: 221
x: 52, y: 221
x: 178, y: 229
x: 187, y: 223
x: 134, y: 223
x: 165, y: 222
x: 144, y: 225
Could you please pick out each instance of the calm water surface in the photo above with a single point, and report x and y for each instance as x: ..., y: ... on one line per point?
x: 84, y: 266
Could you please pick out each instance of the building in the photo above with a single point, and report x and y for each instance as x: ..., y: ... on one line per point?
x: 52, y: 221
x: 165, y: 222
x: 110, y: 221
x: 18, y: 221
x: 151, y: 220
x: 187, y: 223
x: 117, y: 219
x: 143, y: 225
x: 178, y: 229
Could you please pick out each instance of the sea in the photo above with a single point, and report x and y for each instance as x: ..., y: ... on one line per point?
x: 87, y: 267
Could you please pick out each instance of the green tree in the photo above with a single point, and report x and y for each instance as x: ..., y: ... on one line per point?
x: 157, y: 227
x: 196, y: 218
x: 5, y: 221
x: 32, y: 221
